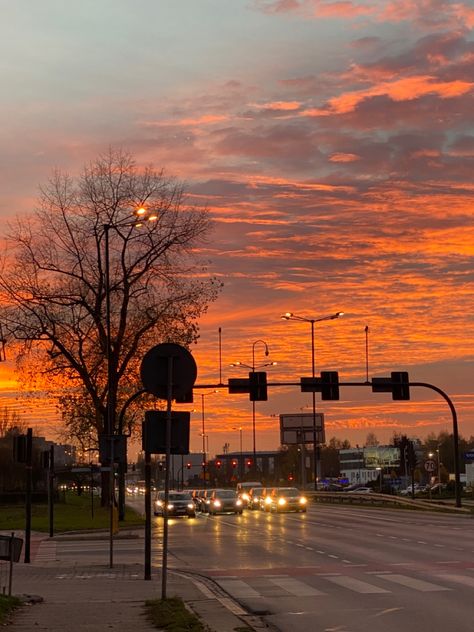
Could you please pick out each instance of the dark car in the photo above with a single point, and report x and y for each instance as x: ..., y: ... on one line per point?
x: 179, y: 504
x: 225, y: 501
x: 285, y: 499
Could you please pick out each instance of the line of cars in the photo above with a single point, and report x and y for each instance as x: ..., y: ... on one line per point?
x: 219, y: 501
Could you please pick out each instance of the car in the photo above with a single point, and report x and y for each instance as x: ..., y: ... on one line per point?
x: 243, y: 490
x: 285, y: 499
x: 225, y: 501
x: 254, y: 496
x: 179, y: 504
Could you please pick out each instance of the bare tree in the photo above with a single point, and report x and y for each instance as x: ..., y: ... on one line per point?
x: 53, y: 279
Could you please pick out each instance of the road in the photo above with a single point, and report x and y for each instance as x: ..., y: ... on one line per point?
x: 344, y: 569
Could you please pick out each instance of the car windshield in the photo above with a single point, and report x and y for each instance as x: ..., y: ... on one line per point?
x: 289, y: 491
x: 257, y: 491
x: 179, y: 497
x: 226, y: 494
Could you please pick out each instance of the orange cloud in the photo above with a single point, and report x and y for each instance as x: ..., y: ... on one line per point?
x: 406, y: 89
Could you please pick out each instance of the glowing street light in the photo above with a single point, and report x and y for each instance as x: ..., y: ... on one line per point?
x: 252, y: 368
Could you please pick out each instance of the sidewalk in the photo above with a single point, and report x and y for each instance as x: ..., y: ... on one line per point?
x: 96, y: 598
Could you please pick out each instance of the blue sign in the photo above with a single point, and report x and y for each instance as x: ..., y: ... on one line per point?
x: 469, y: 455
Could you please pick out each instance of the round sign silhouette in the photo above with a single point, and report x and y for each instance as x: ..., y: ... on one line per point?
x: 154, y: 370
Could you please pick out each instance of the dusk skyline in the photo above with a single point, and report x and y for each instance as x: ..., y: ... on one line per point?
x: 333, y: 144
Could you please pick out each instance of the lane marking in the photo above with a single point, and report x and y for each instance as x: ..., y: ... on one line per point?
x: 296, y: 587
x: 413, y: 583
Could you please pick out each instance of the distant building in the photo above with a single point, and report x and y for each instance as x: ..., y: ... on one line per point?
x: 359, y: 465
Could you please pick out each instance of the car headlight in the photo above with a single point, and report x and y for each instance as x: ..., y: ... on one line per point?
x: 245, y: 496
x: 170, y: 506
x: 303, y: 500
x: 238, y: 502
x: 190, y: 506
x: 268, y: 500
x: 217, y: 503
x: 159, y: 503
x: 281, y: 501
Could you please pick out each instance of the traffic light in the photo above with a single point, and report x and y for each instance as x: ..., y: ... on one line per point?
x: 218, y: 464
x: 398, y: 384
x: 160, y: 465
x: 234, y: 463
x: 400, y: 390
x: 188, y: 465
x: 249, y: 462
x: 258, y: 386
x: 329, y: 385
x: 19, y: 448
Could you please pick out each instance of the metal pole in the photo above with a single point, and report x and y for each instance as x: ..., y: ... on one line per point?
x: 315, y: 435
x: 167, y: 478
x: 203, y: 441
x: 29, y: 482
x: 111, y: 503
x: 51, y: 491
x: 241, y: 455
x: 147, y: 516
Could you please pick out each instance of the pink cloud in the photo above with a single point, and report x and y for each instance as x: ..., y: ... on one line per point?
x: 341, y: 157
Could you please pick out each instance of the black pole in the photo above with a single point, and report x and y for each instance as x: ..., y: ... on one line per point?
x: 147, y: 515
x: 29, y: 481
x: 164, y: 569
x: 51, y: 491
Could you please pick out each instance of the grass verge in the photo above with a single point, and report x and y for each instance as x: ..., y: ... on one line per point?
x: 7, y: 605
x: 71, y: 513
x: 173, y: 616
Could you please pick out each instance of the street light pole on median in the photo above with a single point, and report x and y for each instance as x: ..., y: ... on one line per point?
x: 312, y: 321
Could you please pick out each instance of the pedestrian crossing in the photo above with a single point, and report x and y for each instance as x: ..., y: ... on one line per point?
x: 46, y: 552
x: 319, y: 585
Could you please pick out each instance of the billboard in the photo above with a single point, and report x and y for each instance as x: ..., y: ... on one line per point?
x: 381, y: 456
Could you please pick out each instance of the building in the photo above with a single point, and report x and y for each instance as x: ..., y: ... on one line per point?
x: 363, y: 465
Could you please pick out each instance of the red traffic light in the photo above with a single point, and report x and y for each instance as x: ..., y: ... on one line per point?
x: 188, y: 465
x: 218, y: 463
x: 249, y: 462
x: 234, y: 463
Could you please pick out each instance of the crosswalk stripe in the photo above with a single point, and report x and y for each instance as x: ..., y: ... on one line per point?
x: 460, y: 579
x: 237, y: 588
x: 356, y: 585
x: 412, y: 582
x: 296, y: 587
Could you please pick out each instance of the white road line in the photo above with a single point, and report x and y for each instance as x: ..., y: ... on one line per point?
x: 356, y: 585
x: 238, y: 589
x: 460, y: 579
x: 296, y: 587
x: 413, y: 583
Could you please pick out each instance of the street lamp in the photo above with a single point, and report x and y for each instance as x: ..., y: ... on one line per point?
x: 252, y: 368
x: 141, y: 215
x: 203, y: 434
x: 312, y: 321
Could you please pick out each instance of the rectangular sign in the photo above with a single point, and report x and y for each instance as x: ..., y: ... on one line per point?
x: 297, y: 428
x: 469, y: 456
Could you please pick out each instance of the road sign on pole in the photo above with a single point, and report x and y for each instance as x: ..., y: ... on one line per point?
x: 430, y: 465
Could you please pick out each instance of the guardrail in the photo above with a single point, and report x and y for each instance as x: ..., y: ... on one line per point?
x: 375, y: 498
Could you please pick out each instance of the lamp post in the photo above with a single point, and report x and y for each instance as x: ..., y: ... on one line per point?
x: 312, y: 321
x: 203, y: 433
x: 140, y: 216
x: 252, y: 368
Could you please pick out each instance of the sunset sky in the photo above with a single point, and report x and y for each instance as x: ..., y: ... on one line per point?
x: 333, y: 143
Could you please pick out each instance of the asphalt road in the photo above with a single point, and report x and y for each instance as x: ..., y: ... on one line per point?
x: 344, y: 569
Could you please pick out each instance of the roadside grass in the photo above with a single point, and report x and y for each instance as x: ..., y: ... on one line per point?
x: 173, y: 616
x: 71, y: 513
x: 7, y: 605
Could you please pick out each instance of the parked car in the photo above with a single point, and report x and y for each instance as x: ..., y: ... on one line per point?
x: 225, y: 501
x: 179, y: 504
x: 285, y: 499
